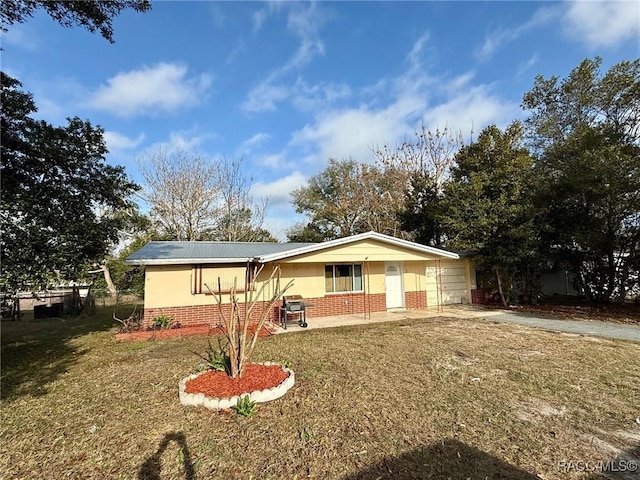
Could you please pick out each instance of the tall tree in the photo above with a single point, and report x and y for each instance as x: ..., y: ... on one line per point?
x: 305, y: 233
x: 586, y: 130
x: 419, y: 167
x: 349, y: 198
x: 198, y: 198
x: 485, y: 207
x: 95, y: 16
x: 55, y: 183
x: 586, y: 98
x: 421, y: 212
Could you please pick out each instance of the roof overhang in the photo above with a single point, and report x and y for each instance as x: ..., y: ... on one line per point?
x: 356, y: 238
x: 187, y: 261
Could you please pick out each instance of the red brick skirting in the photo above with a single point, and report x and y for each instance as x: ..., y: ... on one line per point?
x: 202, y: 314
x: 345, y: 304
x: 415, y: 300
x: 329, y: 305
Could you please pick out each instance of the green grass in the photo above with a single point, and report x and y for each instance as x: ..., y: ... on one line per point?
x: 436, y: 398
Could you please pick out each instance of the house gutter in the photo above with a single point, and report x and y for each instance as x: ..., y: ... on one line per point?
x: 187, y: 261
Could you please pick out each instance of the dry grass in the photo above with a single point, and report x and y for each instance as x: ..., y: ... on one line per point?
x: 415, y: 399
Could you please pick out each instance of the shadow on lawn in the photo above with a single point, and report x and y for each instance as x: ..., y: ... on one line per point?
x: 35, y: 352
x: 445, y: 460
x: 151, y: 469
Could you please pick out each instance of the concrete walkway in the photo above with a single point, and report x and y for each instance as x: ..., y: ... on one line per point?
x: 592, y: 328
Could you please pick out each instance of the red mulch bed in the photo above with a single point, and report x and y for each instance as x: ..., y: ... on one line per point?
x: 256, y: 376
x: 183, y: 331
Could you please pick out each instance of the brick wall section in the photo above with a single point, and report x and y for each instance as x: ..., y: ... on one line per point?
x: 416, y: 300
x: 345, y: 304
x: 201, y: 314
x: 338, y: 304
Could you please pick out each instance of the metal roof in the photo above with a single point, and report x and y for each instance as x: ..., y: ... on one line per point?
x: 173, y: 253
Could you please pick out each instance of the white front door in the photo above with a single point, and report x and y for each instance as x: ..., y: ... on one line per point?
x: 393, y: 285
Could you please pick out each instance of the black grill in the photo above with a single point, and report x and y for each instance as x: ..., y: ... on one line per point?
x: 293, y: 305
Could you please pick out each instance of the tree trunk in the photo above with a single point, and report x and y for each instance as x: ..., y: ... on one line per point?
x: 15, y: 308
x: 113, y: 291
x: 500, y: 292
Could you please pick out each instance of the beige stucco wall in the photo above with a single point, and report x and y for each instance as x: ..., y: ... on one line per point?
x: 171, y: 285
x: 364, y: 250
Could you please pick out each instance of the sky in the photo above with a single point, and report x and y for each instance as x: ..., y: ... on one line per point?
x: 288, y: 85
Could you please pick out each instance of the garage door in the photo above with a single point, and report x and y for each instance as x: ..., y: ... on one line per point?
x: 450, y: 287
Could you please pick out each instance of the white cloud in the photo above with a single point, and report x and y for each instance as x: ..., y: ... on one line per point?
x: 415, y: 55
x: 273, y: 161
x: 321, y: 95
x: 49, y: 109
x: 117, y: 141
x: 303, y: 96
x: 354, y: 132
x: 471, y: 108
x: 22, y: 36
x: 594, y: 23
x: 162, y: 87
x: 258, y: 18
x: 397, y: 107
x: 524, y: 67
x: 304, y: 20
x: 502, y: 36
x: 602, y: 24
x: 264, y: 97
x: 278, y: 191
x: 251, y: 143
x: 181, y: 141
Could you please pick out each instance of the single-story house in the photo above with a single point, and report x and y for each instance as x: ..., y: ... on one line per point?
x: 360, y: 274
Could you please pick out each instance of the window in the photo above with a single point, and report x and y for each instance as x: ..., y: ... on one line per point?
x: 222, y: 278
x: 343, y: 278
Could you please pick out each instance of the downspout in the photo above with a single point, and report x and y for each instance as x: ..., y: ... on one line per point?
x: 364, y: 290
x: 439, y: 285
x: 368, y: 299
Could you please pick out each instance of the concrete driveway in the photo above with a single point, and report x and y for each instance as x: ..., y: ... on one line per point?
x: 591, y: 328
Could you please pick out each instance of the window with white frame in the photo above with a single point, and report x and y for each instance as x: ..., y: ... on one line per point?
x: 343, y: 278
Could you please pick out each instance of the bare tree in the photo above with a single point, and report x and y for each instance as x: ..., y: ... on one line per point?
x: 242, y: 219
x: 430, y: 152
x: 241, y: 342
x: 197, y: 198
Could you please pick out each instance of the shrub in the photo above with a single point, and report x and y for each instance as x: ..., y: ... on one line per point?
x: 216, y: 358
x: 245, y: 407
x: 132, y: 323
x: 161, y: 322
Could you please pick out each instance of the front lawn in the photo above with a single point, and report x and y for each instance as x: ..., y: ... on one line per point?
x: 435, y: 398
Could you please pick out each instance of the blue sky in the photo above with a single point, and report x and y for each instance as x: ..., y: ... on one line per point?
x: 288, y: 85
